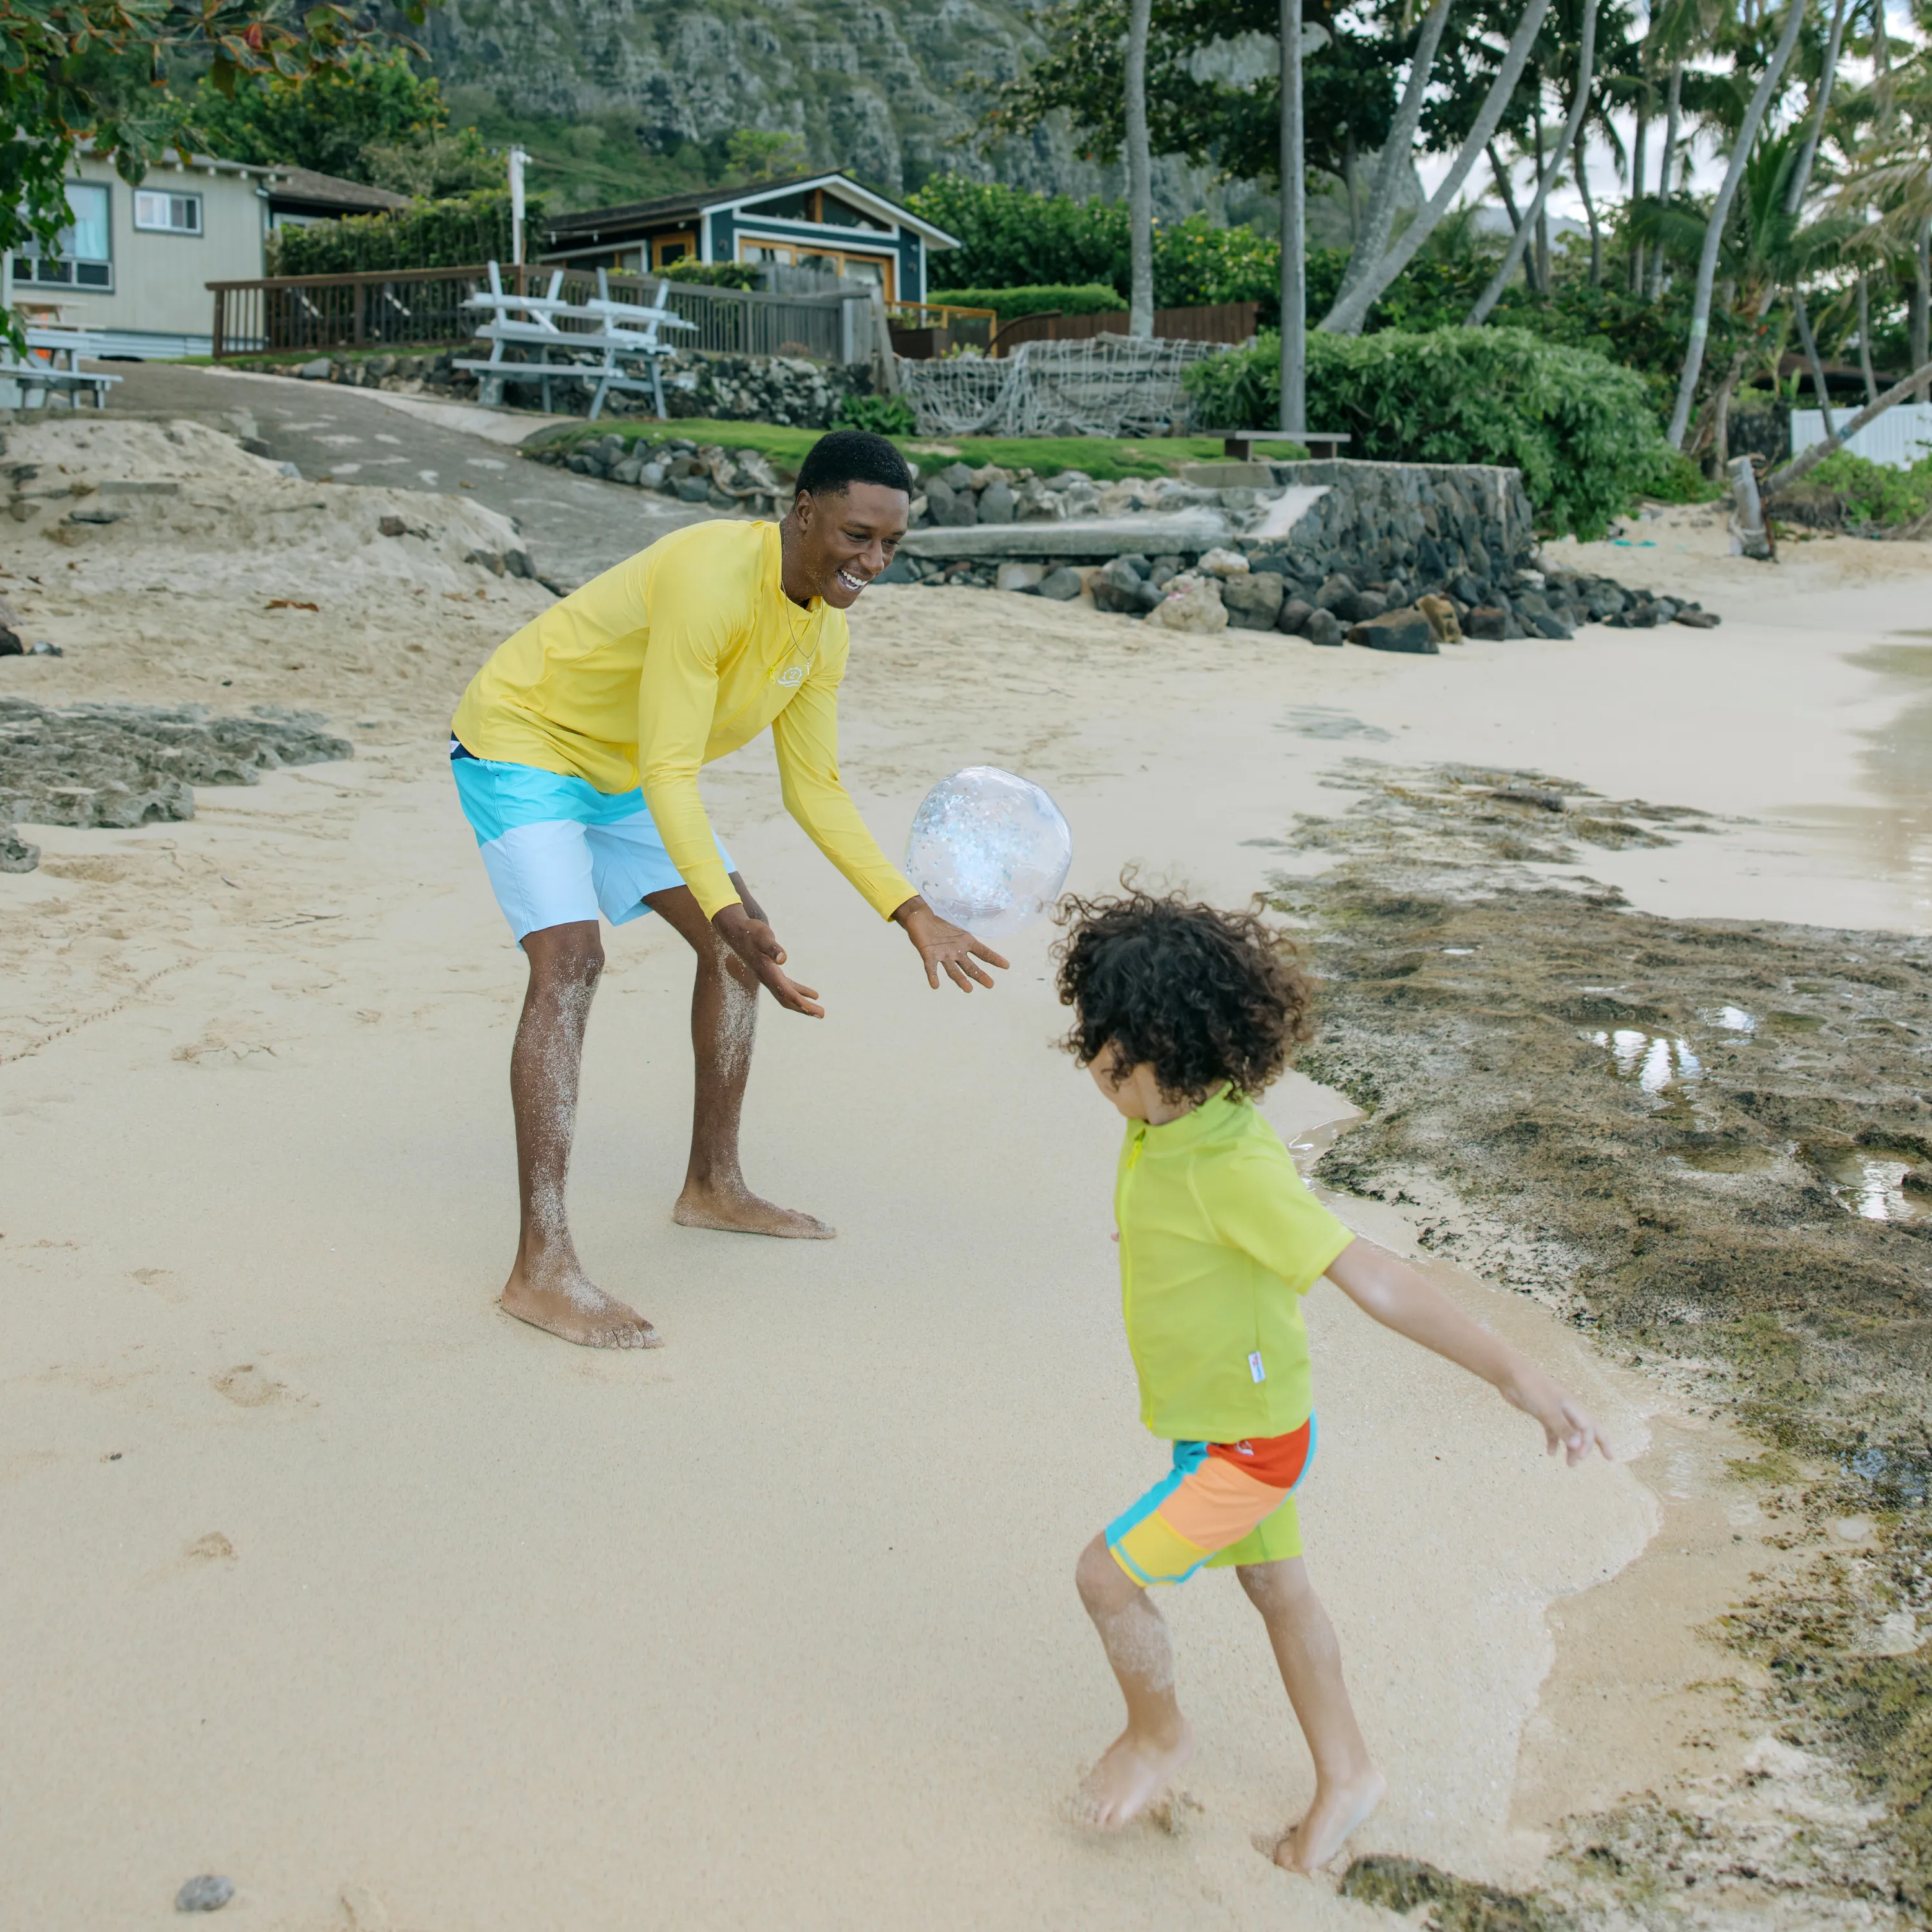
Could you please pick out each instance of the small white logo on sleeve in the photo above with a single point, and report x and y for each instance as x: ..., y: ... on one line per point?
x: 1255, y: 1368
x: 792, y: 674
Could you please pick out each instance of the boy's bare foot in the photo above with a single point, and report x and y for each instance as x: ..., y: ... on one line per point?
x: 566, y: 1302
x: 1134, y: 1773
x: 1338, y: 1810
x: 739, y: 1211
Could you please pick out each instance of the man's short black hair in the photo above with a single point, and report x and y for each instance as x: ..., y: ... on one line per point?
x: 847, y: 456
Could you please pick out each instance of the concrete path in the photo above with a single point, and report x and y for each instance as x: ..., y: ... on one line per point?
x: 575, y: 525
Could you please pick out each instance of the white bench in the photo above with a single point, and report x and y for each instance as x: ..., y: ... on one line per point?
x: 603, y: 329
x: 44, y: 370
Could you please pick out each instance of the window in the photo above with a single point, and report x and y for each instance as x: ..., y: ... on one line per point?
x: 875, y: 270
x: 669, y: 248
x: 166, y: 214
x: 82, y: 259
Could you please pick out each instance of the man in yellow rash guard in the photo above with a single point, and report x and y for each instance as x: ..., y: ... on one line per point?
x: 576, y: 751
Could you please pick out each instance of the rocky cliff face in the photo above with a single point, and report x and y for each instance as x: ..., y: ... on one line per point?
x: 888, y: 93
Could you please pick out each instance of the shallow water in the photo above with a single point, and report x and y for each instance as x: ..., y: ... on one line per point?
x: 1866, y: 1181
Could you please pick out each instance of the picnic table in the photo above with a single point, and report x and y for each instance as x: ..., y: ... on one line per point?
x: 551, y: 338
x: 52, y: 367
x: 1321, y: 444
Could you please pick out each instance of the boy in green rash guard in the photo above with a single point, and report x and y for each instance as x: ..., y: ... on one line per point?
x: 1182, y: 1014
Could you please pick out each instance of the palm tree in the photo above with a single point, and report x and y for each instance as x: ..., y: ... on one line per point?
x: 1707, y: 263
x: 1140, y: 176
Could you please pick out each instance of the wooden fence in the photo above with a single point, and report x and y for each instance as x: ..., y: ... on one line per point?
x: 423, y: 308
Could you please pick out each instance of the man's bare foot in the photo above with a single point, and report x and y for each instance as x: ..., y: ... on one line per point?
x: 565, y: 1301
x: 1134, y: 1773
x: 739, y: 1211
x: 1338, y: 1810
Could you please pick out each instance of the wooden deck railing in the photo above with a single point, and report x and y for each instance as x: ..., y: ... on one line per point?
x: 423, y: 308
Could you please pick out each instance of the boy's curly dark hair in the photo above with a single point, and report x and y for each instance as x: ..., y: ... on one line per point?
x: 1201, y: 995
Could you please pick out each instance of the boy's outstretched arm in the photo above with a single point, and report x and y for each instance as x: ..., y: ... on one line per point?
x: 1381, y: 1284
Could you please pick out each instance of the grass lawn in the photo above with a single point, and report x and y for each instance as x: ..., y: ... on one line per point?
x: 1103, y: 458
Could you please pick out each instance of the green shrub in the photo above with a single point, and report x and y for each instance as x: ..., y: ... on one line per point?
x: 884, y: 415
x: 1012, y: 237
x: 1875, y: 495
x: 1581, y: 429
x: 1064, y: 298
x: 716, y: 274
x: 455, y: 234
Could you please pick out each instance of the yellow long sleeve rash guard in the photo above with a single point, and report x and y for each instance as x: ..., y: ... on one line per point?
x: 679, y: 654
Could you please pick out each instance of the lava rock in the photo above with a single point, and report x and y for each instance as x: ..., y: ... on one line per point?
x: 1336, y: 590
x: 1062, y: 585
x: 1488, y: 621
x: 1361, y: 608
x: 16, y: 854
x: 1547, y: 624
x: 10, y: 645
x: 1698, y: 619
x: 1397, y: 630
x: 1254, y: 601
x: 1324, y: 628
x: 122, y: 765
x: 1293, y: 616
x: 208, y: 1893
x: 1118, y: 587
x: 996, y: 503
x: 692, y: 489
x: 393, y: 526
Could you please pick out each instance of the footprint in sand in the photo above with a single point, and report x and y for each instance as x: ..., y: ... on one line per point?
x: 212, y: 1548
x: 247, y: 1387
x: 164, y: 1282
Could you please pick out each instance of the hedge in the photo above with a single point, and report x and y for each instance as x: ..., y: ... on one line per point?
x: 1042, y: 298
x: 453, y: 234
x: 1012, y: 238
x: 1581, y: 429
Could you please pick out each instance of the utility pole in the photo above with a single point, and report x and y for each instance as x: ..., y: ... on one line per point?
x: 518, y: 159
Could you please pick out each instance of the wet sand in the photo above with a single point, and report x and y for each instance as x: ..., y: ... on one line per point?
x: 325, y: 1574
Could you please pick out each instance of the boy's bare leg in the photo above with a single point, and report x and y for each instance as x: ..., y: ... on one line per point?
x: 724, y: 1022
x: 1348, y: 1783
x: 1140, y: 1763
x: 547, y: 1286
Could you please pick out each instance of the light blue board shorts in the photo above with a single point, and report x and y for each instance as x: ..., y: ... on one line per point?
x: 558, y: 850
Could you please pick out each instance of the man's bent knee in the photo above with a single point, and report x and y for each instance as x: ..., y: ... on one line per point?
x: 565, y: 955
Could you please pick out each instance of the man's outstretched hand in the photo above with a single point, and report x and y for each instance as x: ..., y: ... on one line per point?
x: 946, y: 947
x: 757, y: 945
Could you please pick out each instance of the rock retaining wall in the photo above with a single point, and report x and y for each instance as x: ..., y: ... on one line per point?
x: 787, y: 389
x: 1339, y: 548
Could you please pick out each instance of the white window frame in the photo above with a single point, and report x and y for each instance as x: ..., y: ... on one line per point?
x: 31, y: 264
x: 188, y: 196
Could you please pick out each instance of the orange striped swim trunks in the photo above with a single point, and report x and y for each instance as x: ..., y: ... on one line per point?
x: 1224, y: 1503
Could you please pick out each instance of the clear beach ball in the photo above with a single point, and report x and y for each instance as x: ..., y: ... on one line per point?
x: 988, y: 850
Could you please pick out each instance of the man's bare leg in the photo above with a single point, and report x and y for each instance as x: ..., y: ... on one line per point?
x: 1140, y: 1763
x: 1348, y: 1783
x: 548, y: 1287
x: 723, y: 1023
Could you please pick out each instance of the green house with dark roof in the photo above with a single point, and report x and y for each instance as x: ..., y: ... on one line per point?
x: 825, y: 221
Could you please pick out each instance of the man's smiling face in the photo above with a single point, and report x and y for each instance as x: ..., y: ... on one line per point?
x: 845, y: 540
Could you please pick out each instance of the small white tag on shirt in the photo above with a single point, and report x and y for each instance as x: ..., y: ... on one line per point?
x: 1255, y: 1368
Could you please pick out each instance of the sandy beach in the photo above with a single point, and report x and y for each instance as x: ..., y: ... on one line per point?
x: 324, y: 1574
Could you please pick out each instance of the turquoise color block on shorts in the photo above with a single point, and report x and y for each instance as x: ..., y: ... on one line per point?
x: 558, y: 850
